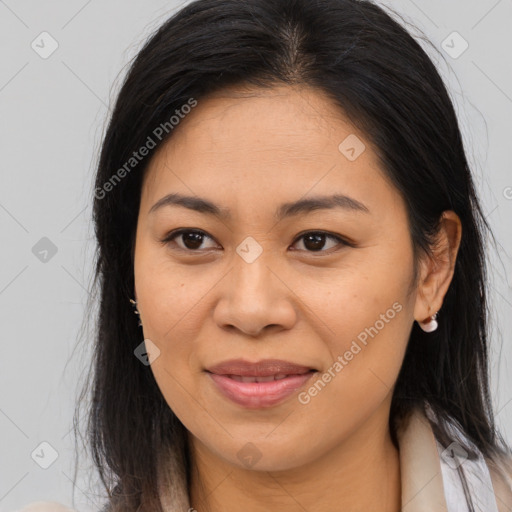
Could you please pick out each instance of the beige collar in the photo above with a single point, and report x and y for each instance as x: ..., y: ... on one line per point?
x: 430, y: 483
x: 420, y: 467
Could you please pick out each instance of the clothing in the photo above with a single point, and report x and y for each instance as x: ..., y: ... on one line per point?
x: 432, y: 478
x: 432, y: 481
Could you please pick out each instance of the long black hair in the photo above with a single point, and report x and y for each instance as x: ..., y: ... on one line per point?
x: 385, y: 83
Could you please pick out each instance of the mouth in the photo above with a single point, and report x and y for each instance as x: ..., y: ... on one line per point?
x: 275, y: 368
x: 269, y: 378
x: 262, y: 384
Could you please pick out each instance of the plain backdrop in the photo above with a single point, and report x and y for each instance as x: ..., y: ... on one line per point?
x: 53, y: 109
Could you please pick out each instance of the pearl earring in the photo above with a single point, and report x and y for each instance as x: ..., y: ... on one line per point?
x: 431, y: 325
x: 134, y: 303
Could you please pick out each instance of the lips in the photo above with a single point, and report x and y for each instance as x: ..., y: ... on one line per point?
x: 268, y: 378
x: 265, y: 368
x: 258, y: 385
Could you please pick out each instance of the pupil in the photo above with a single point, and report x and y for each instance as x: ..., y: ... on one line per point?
x: 313, y: 242
x: 194, y: 239
x: 317, y: 239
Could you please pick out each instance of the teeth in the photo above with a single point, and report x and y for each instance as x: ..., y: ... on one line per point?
x: 269, y: 378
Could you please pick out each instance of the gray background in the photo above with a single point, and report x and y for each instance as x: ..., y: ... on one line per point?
x: 52, y: 115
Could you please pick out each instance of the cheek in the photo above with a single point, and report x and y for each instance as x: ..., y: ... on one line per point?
x: 367, y: 342
x: 366, y: 351
x: 169, y: 294
x: 365, y: 318
x: 172, y: 318
x: 368, y: 297
x: 180, y: 390
x: 169, y: 304
x: 171, y: 311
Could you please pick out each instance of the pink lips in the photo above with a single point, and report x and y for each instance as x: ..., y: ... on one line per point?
x: 237, y: 380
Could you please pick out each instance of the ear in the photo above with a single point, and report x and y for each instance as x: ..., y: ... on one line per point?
x: 436, y: 271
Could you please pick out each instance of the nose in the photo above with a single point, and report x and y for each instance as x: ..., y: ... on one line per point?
x: 255, y: 298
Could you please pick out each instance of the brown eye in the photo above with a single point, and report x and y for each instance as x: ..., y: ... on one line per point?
x: 315, y: 241
x: 191, y: 240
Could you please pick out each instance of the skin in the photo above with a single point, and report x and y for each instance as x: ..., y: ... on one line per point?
x: 249, y: 151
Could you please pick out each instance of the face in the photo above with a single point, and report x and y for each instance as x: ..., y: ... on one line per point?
x: 324, y: 284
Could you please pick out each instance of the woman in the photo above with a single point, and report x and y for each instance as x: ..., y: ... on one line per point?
x: 284, y: 200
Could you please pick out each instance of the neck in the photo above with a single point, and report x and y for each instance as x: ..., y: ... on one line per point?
x: 361, y: 473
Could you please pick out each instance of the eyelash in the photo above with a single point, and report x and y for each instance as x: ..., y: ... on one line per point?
x: 177, y: 232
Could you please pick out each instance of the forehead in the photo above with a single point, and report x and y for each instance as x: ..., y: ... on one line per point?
x: 278, y: 120
x: 256, y: 143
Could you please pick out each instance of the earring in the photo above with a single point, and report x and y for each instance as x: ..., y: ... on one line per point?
x: 431, y: 325
x: 134, y: 303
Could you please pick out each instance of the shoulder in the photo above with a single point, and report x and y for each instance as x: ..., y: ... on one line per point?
x: 45, y: 506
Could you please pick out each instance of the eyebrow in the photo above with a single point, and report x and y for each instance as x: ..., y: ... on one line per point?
x: 302, y: 206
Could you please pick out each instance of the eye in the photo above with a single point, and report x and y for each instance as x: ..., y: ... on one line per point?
x: 315, y: 241
x: 191, y: 239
